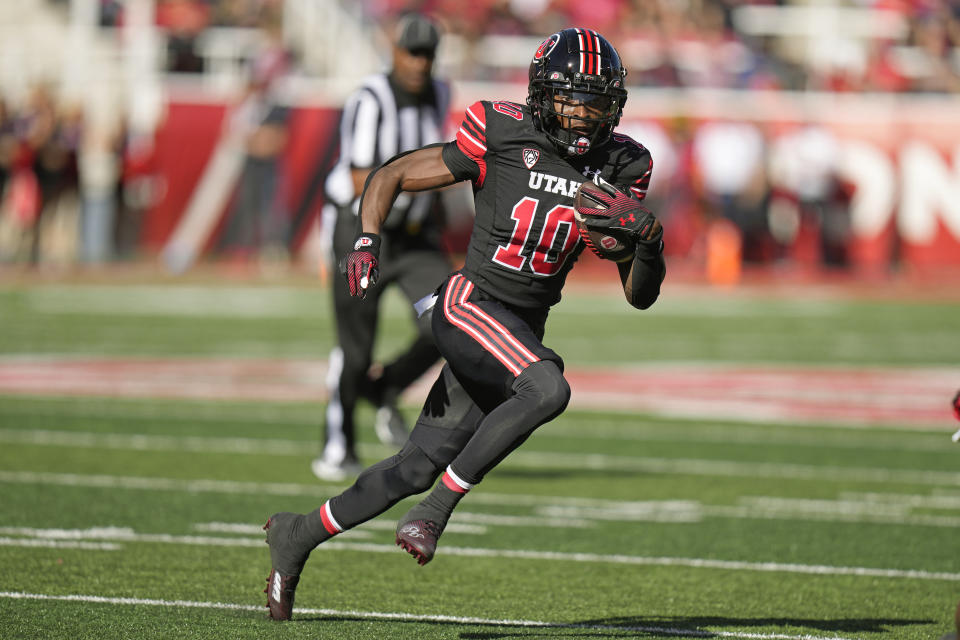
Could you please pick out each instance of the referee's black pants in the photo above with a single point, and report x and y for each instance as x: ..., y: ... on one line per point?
x: 417, y: 264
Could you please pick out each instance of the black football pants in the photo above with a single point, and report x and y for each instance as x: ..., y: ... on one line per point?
x: 452, y: 428
x: 417, y: 266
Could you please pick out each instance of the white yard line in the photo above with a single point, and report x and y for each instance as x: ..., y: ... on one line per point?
x: 536, y: 459
x: 408, y: 617
x: 598, y: 431
x: 133, y: 409
x: 695, y: 563
x: 113, y: 534
x: 733, y: 468
x: 371, y: 525
x: 560, y: 511
x: 905, y: 499
x: 146, y: 442
x: 59, y: 544
x: 166, y: 484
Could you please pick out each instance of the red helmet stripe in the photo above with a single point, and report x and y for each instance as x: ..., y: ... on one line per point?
x: 586, y: 49
x: 596, y: 48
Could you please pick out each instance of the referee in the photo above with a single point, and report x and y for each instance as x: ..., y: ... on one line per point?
x: 390, y: 113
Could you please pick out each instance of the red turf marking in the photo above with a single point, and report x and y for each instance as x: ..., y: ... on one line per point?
x: 895, y: 397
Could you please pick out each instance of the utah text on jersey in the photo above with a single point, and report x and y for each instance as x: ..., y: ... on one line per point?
x: 552, y: 184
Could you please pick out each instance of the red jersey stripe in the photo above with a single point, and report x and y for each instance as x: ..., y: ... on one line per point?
x: 472, y: 138
x: 469, y: 144
x: 476, y: 113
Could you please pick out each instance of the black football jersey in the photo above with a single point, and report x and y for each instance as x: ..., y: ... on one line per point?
x: 524, y: 239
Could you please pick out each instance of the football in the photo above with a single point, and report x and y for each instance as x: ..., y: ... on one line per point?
x: 604, y: 246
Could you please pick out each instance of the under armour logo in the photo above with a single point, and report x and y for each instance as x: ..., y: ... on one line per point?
x: 591, y: 173
x: 629, y: 218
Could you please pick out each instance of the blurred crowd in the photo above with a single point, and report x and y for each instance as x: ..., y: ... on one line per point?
x: 700, y: 43
x: 722, y: 188
x: 731, y: 192
x: 665, y: 43
x: 39, y: 144
x: 50, y: 215
x: 184, y: 22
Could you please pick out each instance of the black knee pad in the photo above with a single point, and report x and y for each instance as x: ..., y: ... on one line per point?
x: 543, y: 384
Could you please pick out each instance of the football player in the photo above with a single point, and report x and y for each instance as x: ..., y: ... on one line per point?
x: 500, y: 382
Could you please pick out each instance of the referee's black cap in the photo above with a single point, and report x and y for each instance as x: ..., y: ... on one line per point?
x: 416, y: 32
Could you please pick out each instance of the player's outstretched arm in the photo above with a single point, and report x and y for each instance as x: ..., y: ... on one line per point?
x: 641, y: 277
x: 418, y: 170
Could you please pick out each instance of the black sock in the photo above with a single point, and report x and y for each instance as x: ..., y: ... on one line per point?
x: 440, y: 503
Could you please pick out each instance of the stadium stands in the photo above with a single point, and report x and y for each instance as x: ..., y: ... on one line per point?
x: 829, y: 107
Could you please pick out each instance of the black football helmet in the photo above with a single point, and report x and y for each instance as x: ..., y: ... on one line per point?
x: 576, y: 92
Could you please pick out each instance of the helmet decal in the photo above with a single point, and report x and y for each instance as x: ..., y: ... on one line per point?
x: 546, y: 46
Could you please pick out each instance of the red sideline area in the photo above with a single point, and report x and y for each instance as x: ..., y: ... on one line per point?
x: 914, y: 398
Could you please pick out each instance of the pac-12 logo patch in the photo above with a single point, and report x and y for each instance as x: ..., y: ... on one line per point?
x: 530, y: 157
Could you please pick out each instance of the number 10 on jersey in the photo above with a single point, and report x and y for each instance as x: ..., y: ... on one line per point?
x: 557, y: 239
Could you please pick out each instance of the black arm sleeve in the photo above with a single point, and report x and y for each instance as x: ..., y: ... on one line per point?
x: 460, y: 164
x: 648, y: 270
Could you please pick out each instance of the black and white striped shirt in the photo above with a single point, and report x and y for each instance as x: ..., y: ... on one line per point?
x: 379, y: 121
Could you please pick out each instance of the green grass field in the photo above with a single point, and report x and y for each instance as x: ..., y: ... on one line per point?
x: 134, y: 515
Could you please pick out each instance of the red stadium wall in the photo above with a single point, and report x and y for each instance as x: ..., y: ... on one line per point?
x: 185, y: 143
x: 182, y: 147
x: 902, y: 170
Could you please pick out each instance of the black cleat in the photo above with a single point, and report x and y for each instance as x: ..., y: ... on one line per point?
x: 419, y: 539
x: 288, y: 553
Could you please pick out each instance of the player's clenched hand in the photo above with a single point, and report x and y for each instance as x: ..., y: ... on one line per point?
x: 636, y: 225
x: 360, y: 265
x: 619, y: 215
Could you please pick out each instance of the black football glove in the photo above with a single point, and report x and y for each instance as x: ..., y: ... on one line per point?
x: 360, y: 265
x: 623, y: 218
